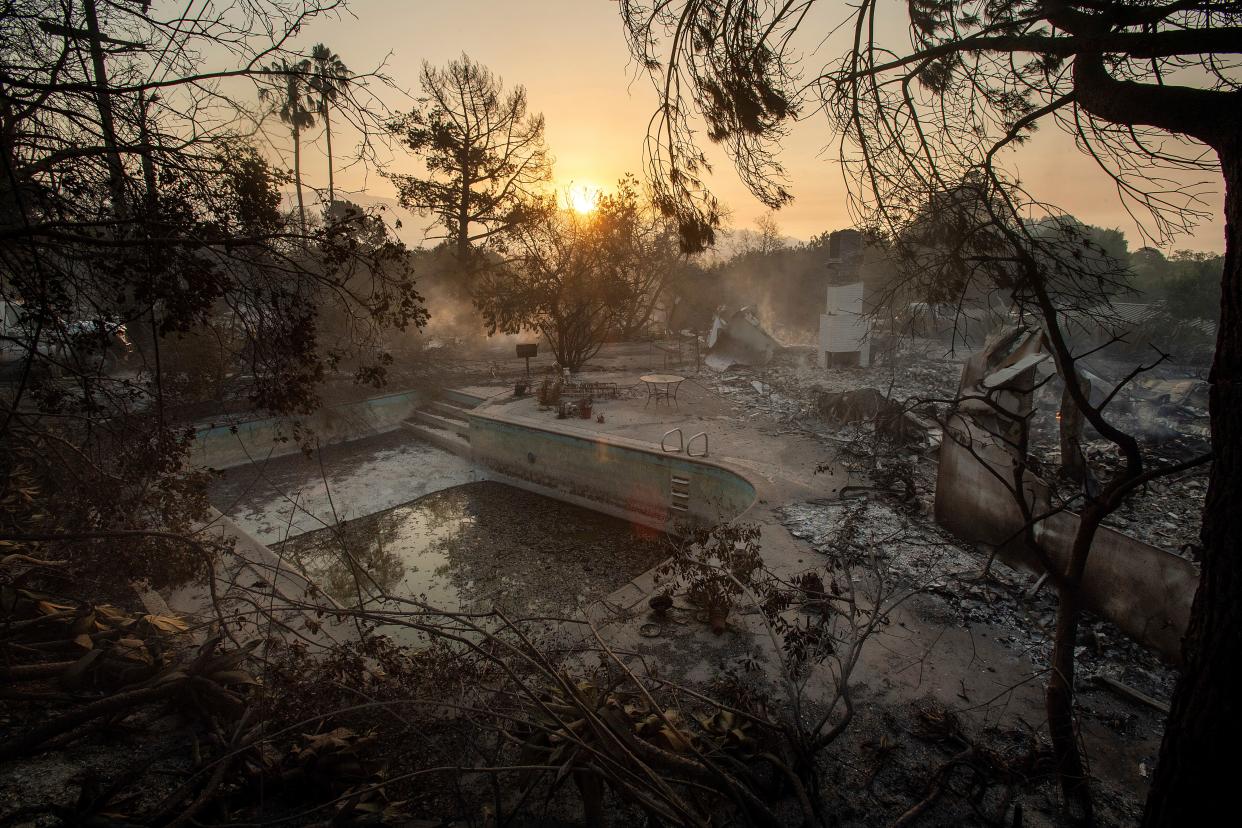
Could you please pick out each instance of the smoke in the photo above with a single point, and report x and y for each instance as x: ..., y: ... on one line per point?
x: 454, y: 322
x: 785, y: 288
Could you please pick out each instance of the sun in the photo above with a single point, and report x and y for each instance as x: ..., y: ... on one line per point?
x: 582, y: 198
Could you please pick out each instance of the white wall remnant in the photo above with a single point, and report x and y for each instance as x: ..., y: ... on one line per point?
x: 843, y: 328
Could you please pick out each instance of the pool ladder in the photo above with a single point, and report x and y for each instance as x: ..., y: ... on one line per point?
x: 679, y: 493
x: 683, y: 444
x: 679, y: 486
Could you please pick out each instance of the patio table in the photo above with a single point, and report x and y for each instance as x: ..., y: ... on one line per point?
x: 661, y: 387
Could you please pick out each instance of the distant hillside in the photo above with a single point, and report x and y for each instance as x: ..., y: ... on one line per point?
x: 731, y: 242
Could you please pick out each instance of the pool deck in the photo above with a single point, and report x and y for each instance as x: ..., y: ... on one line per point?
x: 735, y: 437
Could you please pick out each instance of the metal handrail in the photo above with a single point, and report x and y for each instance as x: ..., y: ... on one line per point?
x: 681, y: 442
x: 690, y: 443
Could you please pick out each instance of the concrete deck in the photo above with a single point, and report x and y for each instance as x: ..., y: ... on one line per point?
x: 735, y: 436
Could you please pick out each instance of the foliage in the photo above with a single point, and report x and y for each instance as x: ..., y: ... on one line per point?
x: 714, y: 566
x: 560, y: 282
x: 1188, y: 282
x: 292, y: 91
x: 580, y: 279
x: 641, y: 250
x: 973, y: 68
x: 129, y: 658
x: 133, y: 201
x: 484, y: 156
x: 75, y: 490
x: 549, y: 393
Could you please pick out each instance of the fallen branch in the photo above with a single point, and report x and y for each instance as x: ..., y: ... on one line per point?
x: 935, y: 787
x: 1128, y: 692
x: 32, y: 739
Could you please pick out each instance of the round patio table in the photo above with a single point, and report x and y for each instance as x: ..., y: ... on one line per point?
x: 661, y: 387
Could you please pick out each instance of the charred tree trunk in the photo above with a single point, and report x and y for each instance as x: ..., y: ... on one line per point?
x: 1059, y: 694
x: 1198, y: 767
x: 463, y: 211
x: 1069, y: 423
x: 327, y: 129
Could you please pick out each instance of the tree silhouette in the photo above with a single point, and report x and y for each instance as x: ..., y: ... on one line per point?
x: 557, y: 283
x: 295, y: 110
x: 132, y: 199
x: 641, y: 251
x: 770, y: 239
x: 484, y: 155
x: 328, y: 79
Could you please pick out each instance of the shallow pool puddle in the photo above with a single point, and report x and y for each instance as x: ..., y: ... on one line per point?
x: 476, y: 546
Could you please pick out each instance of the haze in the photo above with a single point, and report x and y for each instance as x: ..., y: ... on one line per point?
x: 571, y: 56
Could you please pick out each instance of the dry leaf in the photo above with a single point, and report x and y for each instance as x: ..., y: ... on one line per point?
x: 166, y: 623
x: 133, y: 649
x: 111, y: 615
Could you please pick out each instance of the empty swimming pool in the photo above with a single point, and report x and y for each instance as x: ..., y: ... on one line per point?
x: 476, y: 546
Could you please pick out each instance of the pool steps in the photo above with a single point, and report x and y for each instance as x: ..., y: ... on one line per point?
x: 442, y: 422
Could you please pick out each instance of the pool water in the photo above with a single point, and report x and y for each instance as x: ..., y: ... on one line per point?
x: 475, y: 546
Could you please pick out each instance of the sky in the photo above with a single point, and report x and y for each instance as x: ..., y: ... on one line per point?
x: 571, y: 56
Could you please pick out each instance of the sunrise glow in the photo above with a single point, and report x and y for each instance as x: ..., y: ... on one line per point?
x: 582, y: 198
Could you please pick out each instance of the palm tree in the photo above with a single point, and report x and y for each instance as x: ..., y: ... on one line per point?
x: 328, y: 78
x: 295, y: 113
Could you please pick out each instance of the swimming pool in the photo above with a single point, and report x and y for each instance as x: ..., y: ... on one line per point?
x: 475, y: 546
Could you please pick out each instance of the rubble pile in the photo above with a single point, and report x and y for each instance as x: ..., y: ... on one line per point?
x: 1166, y: 514
x: 921, y: 370
x: 905, y: 546
x: 913, y: 551
x: 1167, y: 410
x: 1168, y: 414
x: 787, y: 389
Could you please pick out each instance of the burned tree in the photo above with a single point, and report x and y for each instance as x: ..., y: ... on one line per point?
x: 559, y: 282
x: 1111, y: 73
x: 642, y: 251
x: 484, y: 156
